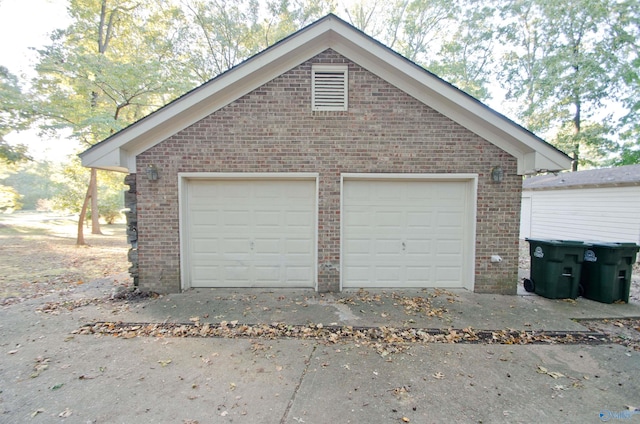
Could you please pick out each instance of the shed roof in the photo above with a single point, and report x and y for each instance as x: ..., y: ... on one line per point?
x: 603, y: 177
x: 119, y: 151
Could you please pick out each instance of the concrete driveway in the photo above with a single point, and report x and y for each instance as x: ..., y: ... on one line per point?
x: 51, y: 372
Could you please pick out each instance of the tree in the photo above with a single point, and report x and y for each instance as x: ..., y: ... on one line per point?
x: 561, y: 67
x: 418, y: 28
x: 13, y: 116
x: 284, y: 17
x: 368, y: 16
x: 34, y: 181
x: 223, y: 34
x: 106, y: 71
x: 466, y: 59
x: 627, y: 33
x: 68, y: 194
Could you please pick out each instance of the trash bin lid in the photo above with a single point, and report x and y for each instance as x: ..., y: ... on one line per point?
x: 556, y: 242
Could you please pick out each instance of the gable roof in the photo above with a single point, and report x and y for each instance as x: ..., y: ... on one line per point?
x: 119, y: 151
x: 605, y: 177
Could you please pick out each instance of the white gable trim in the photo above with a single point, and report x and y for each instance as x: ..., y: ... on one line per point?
x: 119, y: 152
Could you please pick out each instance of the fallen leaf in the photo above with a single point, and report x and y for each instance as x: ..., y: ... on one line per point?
x: 438, y: 375
x: 405, y: 420
x: 57, y: 386
x: 66, y: 413
x: 12, y: 352
x: 41, y: 365
x: 36, y: 412
x: 165, y: 362
x: 553, y: 374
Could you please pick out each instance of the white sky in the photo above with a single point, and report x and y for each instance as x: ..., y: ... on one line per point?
x: 25, y: 24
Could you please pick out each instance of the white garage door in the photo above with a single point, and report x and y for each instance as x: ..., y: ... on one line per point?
x: 251, y: 233
x: 407, y: 233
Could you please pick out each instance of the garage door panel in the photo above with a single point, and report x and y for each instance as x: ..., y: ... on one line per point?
x: 355, y: 218
x: 251, y: 233
x: 234, y: 218
x: 448, y: 276
x: 388, y: 246
x: 361, y: 246
x: 235, y: 273
x: 415, y: 246
x: 204, y: 217
x: 298, y: 247
x: 450, y: 219
x: 267, y: 218
x: 268, y: 273
x: 298, y: 220
x: 204, y: 273
x: 420, y: 220
x: 403, y: 233
x: 202, y: 246
x: 388, y: 273
x: 418, y: 274
x: 449, y: 247
x: 298, y: 275
x: 387, y: 220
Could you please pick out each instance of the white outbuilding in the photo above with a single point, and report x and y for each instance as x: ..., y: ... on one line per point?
x: 596, y: 204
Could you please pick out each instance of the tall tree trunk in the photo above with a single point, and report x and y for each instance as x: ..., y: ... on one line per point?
x: 95, y: 214
x: 83, y: 214
x: 577, y: 121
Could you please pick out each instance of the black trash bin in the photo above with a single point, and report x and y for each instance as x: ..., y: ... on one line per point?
x: 606, y: 271
x: 555, y: 267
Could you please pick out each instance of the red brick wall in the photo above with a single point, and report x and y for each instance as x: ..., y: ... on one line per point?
x: 273, y: 129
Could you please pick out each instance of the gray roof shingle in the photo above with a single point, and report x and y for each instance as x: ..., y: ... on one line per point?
x: 621, y: 175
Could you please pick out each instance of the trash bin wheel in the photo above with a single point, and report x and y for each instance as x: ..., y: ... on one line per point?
x: 528, y: 285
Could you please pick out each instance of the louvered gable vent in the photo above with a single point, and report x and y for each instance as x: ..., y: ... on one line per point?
x: 329, y: 87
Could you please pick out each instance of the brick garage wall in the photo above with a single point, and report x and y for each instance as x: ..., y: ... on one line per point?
x: 273, y: 129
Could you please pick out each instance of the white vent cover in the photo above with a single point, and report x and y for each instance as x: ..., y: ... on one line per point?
x: 329, y: 87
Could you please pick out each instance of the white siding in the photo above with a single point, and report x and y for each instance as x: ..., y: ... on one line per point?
x: 604, y: 214
x: 525, y: 216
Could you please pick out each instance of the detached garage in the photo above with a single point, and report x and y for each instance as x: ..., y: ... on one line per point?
x: 326, y: 162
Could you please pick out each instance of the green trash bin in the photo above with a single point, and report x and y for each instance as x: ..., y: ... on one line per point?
x: 606, y: 271
x: 555, y: 267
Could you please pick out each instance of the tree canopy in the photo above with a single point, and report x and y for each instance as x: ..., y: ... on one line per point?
x: 568, y: 71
